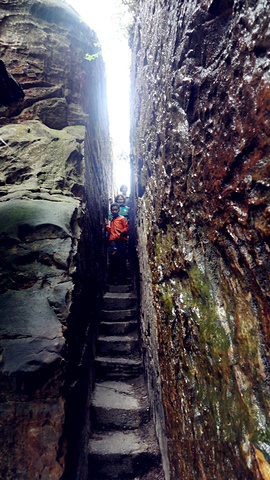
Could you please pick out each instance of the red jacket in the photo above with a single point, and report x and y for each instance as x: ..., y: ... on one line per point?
x: 121, y: 224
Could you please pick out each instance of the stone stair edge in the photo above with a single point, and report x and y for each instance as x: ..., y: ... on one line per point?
x: 119, y: 289
x: 106, y: 391
x: 120, y: 295
x: 144, y: 434
x: 127, y: 311
x: 118, y: 328
x: 111, y: 338
x: 119, y: 359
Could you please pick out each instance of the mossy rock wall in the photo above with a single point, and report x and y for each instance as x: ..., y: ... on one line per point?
x: 200, y: 146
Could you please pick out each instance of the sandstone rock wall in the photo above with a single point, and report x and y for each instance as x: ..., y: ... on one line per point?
x: 200, y: 145
x: 53, y: 198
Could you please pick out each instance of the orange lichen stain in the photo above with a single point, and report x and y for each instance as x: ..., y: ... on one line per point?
x: 264, y: 466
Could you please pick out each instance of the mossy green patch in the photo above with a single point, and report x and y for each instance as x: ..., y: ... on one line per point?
x: 198, y: 356
x: 201, y: 301
x: 167, y: 302
x: 166, y: 255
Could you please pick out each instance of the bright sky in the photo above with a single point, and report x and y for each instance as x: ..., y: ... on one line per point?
x: 107, y: 18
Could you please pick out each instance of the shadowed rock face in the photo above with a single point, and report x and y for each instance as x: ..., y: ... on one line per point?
x: 53, y: 198
x: 49, y: 66
x: 200, y: 134
x: 10, y: 89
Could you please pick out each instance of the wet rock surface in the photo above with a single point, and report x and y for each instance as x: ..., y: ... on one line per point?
x: 200, y: 145
x: 54, y: 183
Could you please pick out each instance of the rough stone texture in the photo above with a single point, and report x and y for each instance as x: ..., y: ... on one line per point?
x: 123, y: 454
x: 119, y: 404
x: 200, y: 145
x: 56, y: 86
x: 53, y: 198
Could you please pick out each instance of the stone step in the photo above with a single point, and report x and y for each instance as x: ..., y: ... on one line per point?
x: 118, y: 328
x: 119, y: 301
x: 117, y: 368
x: 119, y: 405
x: 128, y: 280
x: 116, y: 345
x: 119, y: 288
x: 122, y: 454
x: 119, y: 315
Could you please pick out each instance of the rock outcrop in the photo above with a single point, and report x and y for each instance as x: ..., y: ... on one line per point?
x: 10, y: 89
x: 55, y: 171
x: 200, y: 145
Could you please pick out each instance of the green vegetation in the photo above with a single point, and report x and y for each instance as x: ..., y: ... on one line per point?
x: 90, y: 57
x: 212, y: 333
x: 199, y: 347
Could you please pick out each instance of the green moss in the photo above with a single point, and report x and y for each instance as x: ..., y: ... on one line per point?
x: 163, y: 246
x: 204, y: 365
x: 167, y: 302
x: 165, y: 256
x: 233, y: 412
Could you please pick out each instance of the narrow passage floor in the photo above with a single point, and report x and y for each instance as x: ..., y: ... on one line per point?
x: 123, y: 444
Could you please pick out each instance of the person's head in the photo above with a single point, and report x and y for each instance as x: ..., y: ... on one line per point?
x: 123, y: 189
x: 120, y: 199
x: 115, y: 209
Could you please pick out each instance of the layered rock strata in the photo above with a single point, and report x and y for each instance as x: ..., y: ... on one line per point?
x: 54, y: 187
x: 200, y: 145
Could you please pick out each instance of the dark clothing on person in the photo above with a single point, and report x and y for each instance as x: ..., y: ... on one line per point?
x: 117, y: 263
x: 117, y: 249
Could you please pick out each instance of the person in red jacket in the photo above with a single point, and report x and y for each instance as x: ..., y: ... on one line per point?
x: 118, y: 231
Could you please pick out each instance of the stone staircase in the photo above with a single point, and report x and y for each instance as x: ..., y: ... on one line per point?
x: 123, y: 444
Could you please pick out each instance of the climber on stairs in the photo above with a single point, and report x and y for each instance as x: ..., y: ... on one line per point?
x: 123, y: 209
x: 118, y: 231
